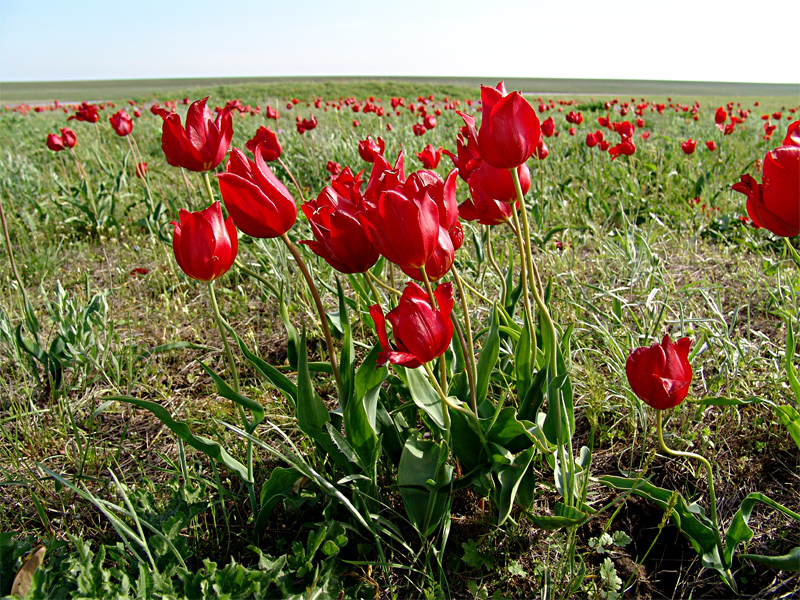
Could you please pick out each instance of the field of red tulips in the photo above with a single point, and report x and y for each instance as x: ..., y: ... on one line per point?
x: 400, y: 340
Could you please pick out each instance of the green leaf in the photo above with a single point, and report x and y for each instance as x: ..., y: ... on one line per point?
x: 791, y: 372
x: 474, y: 558
x: 360, y: 424
x: 226, y: 392
x: 180, y: 428
x: 524, y: 361
x: 786, y: 562
x: 739, y: 530
x: 281, y: 484
x: 278, y: 379
x: 423, y: 461
x: 510, y: 477
x: 790, y: 418
x: 422, y: 393
x: 488, y: 359
x: 293, y: 341
x: 565, y: 516
x: 369, y: 374
x: 347, y: 359
x: 311, y: 411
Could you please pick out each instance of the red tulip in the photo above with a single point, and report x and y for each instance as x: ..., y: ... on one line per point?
x: 272, y: 113
x: 87, y: 113
x: 660, y: 375
x: 548, y: 127
x: 430, y: 157
x: 418, y: 129
x: 429, y: 122
x: 259, y: 204
x: 421, y: 332
x: 333, y: 168
x: 711, y: 145
x: 304, y: 125
x: 204, y: 243
x: 68, y: 138
x: 625, y: 129
x: 202, y: 145
x: 626, y: 147
x: 575, y: 118
x: 467, y: 159
x: 775, y: 203
x: 368, y: 148
x: 339, y: 237
x: 443, y: 193
x: 54, y: 142
x: 121, y: 122
x: 571, y: 131
x: 541, y: 153
x: 688, y: 146
x: 270, y: 146
x: 640, y: 122
x: 591, y: 140
x: 439, y: 262
x: 720, y: 116
x: 498, y: 184
x: 141, y: 170
x: 484, y: 209
x: 509, y: 129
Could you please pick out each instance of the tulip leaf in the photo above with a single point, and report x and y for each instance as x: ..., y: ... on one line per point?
x: 467, y: 445
x: 509, y: 432
x: 423, y: 394
x: 293, y: 341
x: 510, y: 476
x: 739, y: 530
x: 347, y: 359
x: 690, y: 519
x: 369, y: 374
x: 225, y: 391
x: 180, y: 428
x: 564, y: 516
x: 524, y: 361
x: 281, y: 484
x: 786, y: 562
x: 278, y: 379
x: 421, y: 463
x: 791, y: 371
x: 311, y: 411
x: 488, y: 359
x: 360, y: 423
x: 790, y: 418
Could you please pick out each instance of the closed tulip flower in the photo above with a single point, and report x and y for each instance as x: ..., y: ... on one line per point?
x: 121, y: 122
x: 54, y: 142
x: 509, y: 129
x: 204, y: 243
x: 498, y: 183
x: 541, y: 153
x: 688, y: 146
x: 259, y: 203
x: 200, y: 146
x: 421, y: 332
x: 591, y: 140
x: 775, y: 203
x: 270, y: 146
x: 484, y: 209
x: 711, y: 145
x: 660, y: 375
x: 68, y: 138
x: 467, y: 158
x: 439, y: 262
x: 548, y: 127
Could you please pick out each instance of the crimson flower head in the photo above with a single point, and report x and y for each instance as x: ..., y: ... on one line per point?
x: 54, y: 142
x: 304, y: 125
x: 711, y: 145
x: 429, y: 122
x: 68, y: 138
x: 272, y: 113
x: 660, y: 375
x: 339, y: 237
x: 121, y: 122
x: 625, y: 146
x: 498, y: 183
x: 368, y: 148
x: 430, y: 156
x: 720, y: 116
x: 467, y: 158
x: 484, y: 209
x: 775, y: 203
x: 258, y: 202
x: 575, y: 118
x: 270, y: 146
x: 548, y: 127
x: 204, y: 243
x: 688, y: 146
x: 87, y: 113
x: 202, y: 145
x: 333, y: 168
x: 509, y: 131
x: 421, y: 332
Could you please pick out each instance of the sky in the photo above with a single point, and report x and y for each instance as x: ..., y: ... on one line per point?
x: 700, y: 40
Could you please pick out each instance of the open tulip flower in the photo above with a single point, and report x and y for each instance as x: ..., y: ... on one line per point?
x: 87, y: 113
x: 688, y: 146
x: 202, y: 145
x: 368, y: 148
x: 121, y: 122
x: 258, y: 202
x: 430, y: 156
x: 421, y: 332
x: 204, y: 243
x: 509, y: 131
x: 270, y: 146
x: 775, y: 203
x: 660, y: 375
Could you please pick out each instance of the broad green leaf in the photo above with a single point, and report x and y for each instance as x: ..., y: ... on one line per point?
x: 524, y: 360
x: 510, y: 476
x: 281, y: 484
x: 790, y: 418
x: 278, y: 379
x: 739, y: 530
x: 347, y: 359
x: 422, y: 393
x: 791, y: 372
x: 488, y: 359
x: 565, y: 516
x: 180, y: 428
x: 360, y: 424
x: 226, y: 392
x: 423, y: 461
x: 293, y: 341
x: 786, y: 562
x: 369, y: 374
x: 311, y: 411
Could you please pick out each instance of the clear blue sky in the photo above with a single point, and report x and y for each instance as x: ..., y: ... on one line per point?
x: 699, y: 40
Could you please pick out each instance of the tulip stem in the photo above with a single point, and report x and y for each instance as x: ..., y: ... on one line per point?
x: 443, y: 398
x: 298, y: 259
x: 255, y: 275
x: 64, y: 170
x: 792, y: 251
x: 523, y: 264
x: 432, y: 297
x: 228, y: 353
x: 207, y: 182
x: 385, y: 286
x: 294, y: 181
x: 372, y: 288
x: 494, y: 264
x: 712, y: 498
x: 470, y: 344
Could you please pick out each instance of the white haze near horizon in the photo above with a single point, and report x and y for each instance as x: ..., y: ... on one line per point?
x: 46, y: 40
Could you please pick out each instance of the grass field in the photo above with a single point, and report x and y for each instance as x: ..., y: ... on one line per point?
x: 126, y: 502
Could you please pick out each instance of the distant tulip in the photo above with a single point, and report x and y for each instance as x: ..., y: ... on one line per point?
x: 368, y: 148
x: 711, y: 145
x: 68, y: 138
x: 203, y: 143
x: 121, y: 122
x: 418, y: 129
x: 548, y: 127
x: 541, y: 153
x: 272, y: 113
x: 429, y: 122
x: 87, y: 113
x: 688, y: 146
x: 204, y: 243
x: 270, y: 146
x: 54, y: 142
x: 421, y: 332
x: 661, y: 374
x: 258, y: 202
x: 591, y: 140
x: 509, y: 130
x: 333, y: 168
x: 572, y: 131
x: 720, y: 116
x: 141, y: 170
x: 430, y: 157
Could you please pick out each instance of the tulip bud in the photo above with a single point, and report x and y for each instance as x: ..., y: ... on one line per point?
x: 660, y: 375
